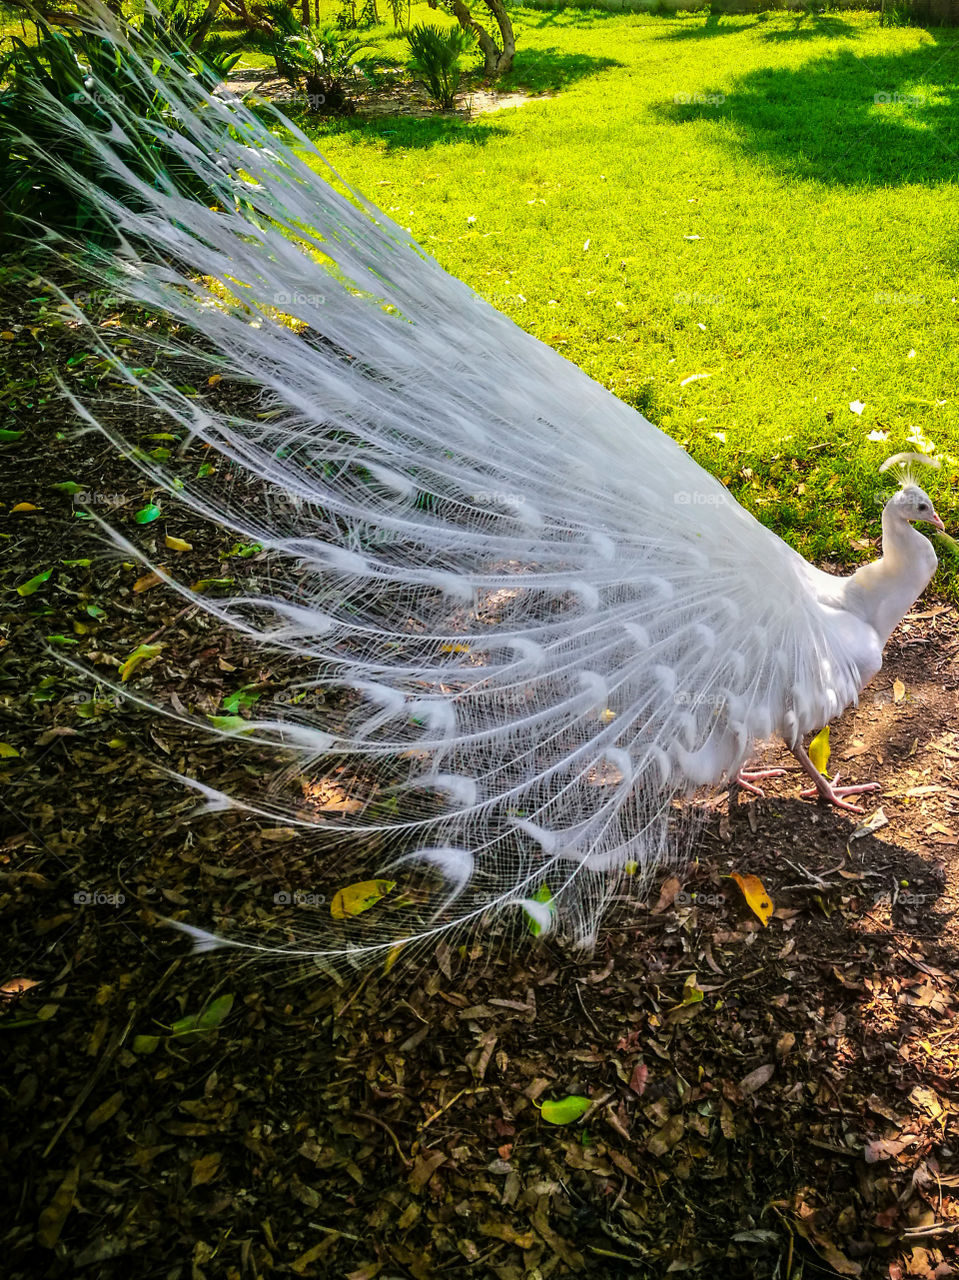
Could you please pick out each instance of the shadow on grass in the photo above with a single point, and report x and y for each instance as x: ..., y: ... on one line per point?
x: 805, y: 26
x: 814, y: 26
x: 401, y: 132
x: 546, y: 70
x: 881, y: 120
x: 691, y: 29
x: 570, y: 16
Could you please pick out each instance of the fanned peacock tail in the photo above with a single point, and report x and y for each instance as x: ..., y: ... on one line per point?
x: 529, y: 622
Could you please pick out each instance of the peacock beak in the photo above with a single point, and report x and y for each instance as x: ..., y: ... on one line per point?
x: 937, y: 523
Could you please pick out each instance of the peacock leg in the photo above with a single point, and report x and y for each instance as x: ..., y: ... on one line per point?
x: 828, y: 790
x: 747, y: 779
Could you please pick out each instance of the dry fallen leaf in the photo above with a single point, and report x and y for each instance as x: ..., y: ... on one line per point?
x: 754, y: 891
x: 756, y: 1079
x: 667, y: 895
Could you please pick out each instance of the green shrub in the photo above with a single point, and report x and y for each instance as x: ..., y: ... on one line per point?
x: 328, y: 59
x: 98, y: 82
x: 436, y: 54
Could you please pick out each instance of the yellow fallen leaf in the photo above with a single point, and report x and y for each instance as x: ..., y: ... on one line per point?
x: 393, y: 955
x: 23, y: 506
x: 148, y: 580
x: 139, y: 654
x: 754, y: 891
x: 454, y: 648
x: 7, y: 752
x: 177, y: 544
x: 7, y: 336
x: 56, y: 1212
x: 692, y: 994
x: 898, y: 691
x: 359, y: 897
x: 213, y: 379
x: 205, y: 1168
x: 819, y: 751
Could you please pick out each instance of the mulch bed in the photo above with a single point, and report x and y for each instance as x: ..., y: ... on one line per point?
x: 767, y: 1100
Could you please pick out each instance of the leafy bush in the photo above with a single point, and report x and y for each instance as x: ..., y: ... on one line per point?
x: 327, y: 59
x: 96, y: 80
x: 436, y: 54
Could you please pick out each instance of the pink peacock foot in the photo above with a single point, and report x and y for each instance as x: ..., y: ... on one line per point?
x: 747, y: 779
x: 832, y: 794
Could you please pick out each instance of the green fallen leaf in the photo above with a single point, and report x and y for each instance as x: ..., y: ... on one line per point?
x: 242, y: 550
x: 147, y: 514
x: 354, y: 899
x: 229, y: 724
x: 565, y: 1110
x: 145, y: 1044
x: 241, y: 698
x: 208, y: 1020
x: 77, y: 564
x: 7, y: 752
x: 691, y: 992
x: 6, y: 435
x: 544, y: 895
x: 69, y: 487
x: 34, y: 584
x: 44, y: 692
x: 139, y: 654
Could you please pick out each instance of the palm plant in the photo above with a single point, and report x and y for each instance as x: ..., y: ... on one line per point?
x: 436, y: 54
x: 327, y: 58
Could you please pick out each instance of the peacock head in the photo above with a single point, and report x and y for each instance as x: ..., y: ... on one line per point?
x: 914, y: 504
x: 911, y: 504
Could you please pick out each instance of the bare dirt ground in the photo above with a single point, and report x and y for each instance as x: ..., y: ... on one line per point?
x: 767, y: 1100
x: 394, y: 97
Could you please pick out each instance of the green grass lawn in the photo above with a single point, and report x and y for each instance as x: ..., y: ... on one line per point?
x: 718, y: 199
x: 741, y: 225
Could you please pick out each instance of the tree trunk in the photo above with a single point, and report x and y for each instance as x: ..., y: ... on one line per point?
x: 496, y: 62
x: 505, y: 59
x: 206, y: 22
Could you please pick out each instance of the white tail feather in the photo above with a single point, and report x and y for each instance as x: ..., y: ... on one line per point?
x: 514, y: 590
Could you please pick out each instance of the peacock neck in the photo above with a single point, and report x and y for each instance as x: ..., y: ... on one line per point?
x: 883, y: 592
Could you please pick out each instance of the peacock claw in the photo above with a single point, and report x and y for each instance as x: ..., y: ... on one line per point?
x: 833, y: 795
x: 747, y: 779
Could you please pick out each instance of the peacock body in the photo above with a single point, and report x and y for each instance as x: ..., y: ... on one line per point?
x: 514, y: 596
